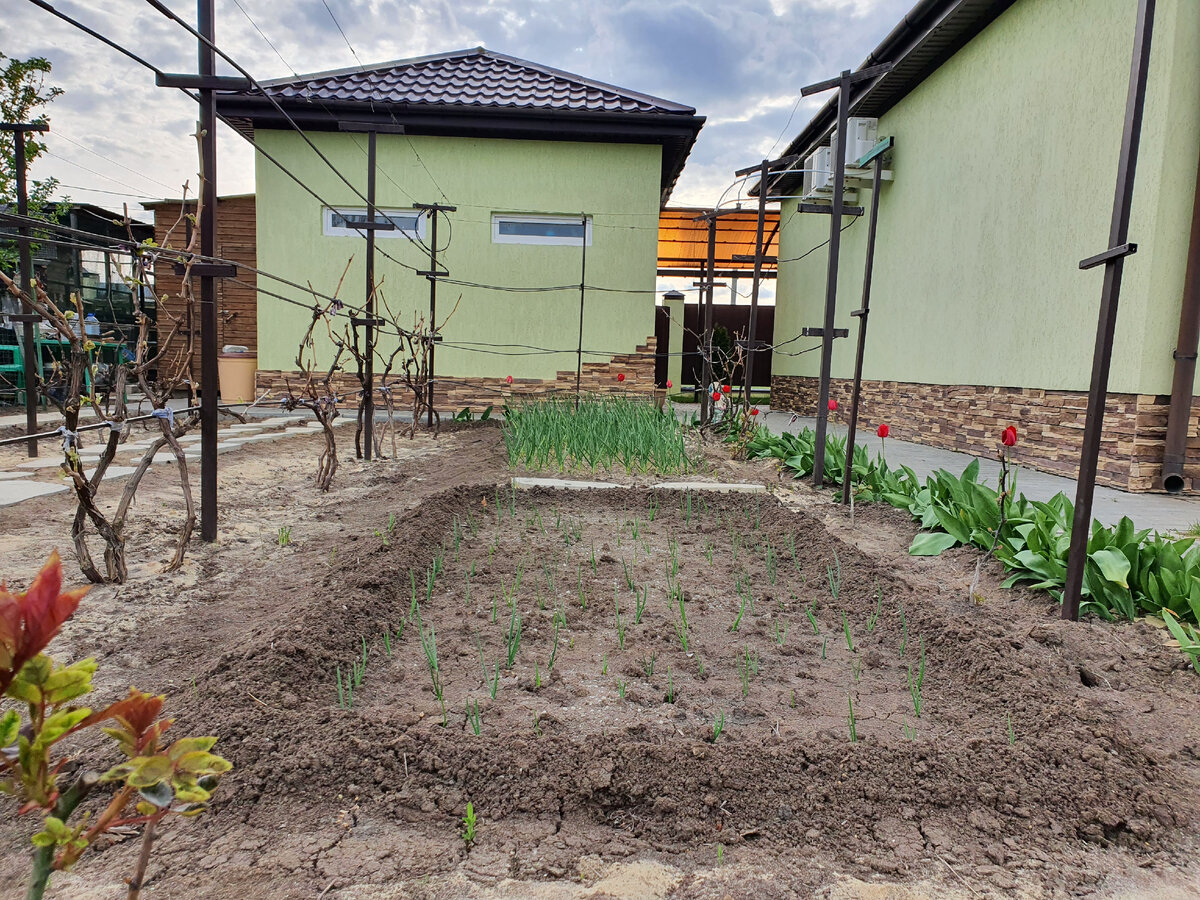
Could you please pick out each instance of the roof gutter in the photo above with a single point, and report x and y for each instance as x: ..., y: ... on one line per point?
x: 1179, y: 413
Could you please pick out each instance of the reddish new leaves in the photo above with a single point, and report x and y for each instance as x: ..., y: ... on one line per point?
x: 29, y: 621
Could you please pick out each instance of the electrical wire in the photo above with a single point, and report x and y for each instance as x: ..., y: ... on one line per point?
x: 166, y: 11
x: 58, y: 134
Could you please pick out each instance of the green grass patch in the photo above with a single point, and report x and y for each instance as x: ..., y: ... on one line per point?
x: 603, y: 433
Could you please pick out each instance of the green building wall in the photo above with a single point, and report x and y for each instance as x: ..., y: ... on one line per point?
x: 615, y: 184
x: 1005, y: 165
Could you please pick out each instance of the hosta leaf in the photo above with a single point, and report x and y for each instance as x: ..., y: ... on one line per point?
x: 931, y: 543
x: 1113, y: 564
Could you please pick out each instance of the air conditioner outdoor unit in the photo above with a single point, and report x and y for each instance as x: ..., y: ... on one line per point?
x: 810, y: 163
x: 864, y: 134
x: 820, y: 165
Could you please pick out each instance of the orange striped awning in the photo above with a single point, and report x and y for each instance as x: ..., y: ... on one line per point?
x: 683, y: 242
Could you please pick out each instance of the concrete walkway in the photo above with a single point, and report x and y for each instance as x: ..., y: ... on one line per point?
x: 1163, y: 512
x: 17, y: 485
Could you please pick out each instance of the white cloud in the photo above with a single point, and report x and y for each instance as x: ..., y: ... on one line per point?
x: 687, y: 50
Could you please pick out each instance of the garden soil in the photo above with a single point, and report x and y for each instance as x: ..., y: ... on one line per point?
x: 769, y: 747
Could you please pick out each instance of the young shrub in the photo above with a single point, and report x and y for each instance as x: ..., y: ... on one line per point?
x: 156, y: 780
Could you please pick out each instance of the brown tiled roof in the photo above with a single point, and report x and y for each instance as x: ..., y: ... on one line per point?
x: 471, y: 78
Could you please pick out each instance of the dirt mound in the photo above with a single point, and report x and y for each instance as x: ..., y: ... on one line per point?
x: 1009, y: 760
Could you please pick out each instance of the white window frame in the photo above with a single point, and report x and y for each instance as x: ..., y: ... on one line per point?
x: 498, y: 238
x: 331, y: 230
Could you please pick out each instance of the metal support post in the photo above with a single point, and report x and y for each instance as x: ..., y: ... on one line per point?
x: 862, y: 315
x: 582, y: 294
x: 432, y: 276
x: 1113, y: 261
x: 28, y: 335
x: 206, y: 17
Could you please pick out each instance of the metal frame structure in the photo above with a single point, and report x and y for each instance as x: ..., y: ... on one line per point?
x: 843, y: 83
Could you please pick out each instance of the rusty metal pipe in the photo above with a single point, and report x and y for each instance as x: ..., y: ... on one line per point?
x: 1180, y: 410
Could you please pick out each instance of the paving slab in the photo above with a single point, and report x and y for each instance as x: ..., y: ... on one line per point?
x: 564, y: 484
x: 41, y: 462
x: 116, y: 472
x: 45, y: 422
x: 717, y: 487
x: 12, y: 492
x: 9, y: 476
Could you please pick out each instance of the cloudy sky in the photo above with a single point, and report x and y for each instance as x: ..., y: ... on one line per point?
x: 740, y: 65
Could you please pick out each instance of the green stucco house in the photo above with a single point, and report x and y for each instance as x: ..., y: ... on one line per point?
x: 556, y: 180
x: 1007, y: 120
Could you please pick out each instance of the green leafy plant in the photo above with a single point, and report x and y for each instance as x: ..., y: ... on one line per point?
x: 853, y: 722
x: 469, y: 823
x: 648, y: 665
x: 718, y: 725
x: 812, y: 619
x: 473, y: 718
x: 780, y: 634
x: 835, y: 576
x: 429, y: 646
x: 1186, y: 635
x: 156, y: 780
x: 846, y: 631
x: 512, y: 638
x: 603, y: 432
x: 285, y: 535
x: 915, y: 684
x: 874, y: 620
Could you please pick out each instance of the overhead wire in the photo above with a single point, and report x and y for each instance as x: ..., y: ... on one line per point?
x: 171, y: 15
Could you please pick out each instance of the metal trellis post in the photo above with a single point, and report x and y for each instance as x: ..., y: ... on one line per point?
x: 862, y: 315
x: 843, y: 83
x: 432, y: 275
x: 28, y: 336
x: 1113, y: 260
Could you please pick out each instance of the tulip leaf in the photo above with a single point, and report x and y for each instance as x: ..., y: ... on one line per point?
x: 1113, y: 564
x: 931, y: 543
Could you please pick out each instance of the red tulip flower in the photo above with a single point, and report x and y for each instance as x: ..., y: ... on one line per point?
x: 754, y: 411
x: 725, y: 389
x: 716, y: 396
x: 621, y: 376
x: 1008, y: 437
x: 668, y: 382
x: 509, y: 379
x: 832, y: 405
x: 883, y: 430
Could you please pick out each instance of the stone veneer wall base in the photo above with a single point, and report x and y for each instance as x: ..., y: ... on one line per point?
x: 452, y: 393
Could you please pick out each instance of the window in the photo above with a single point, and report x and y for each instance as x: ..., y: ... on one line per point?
x: 568, y: 230
x: 341, y: 222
